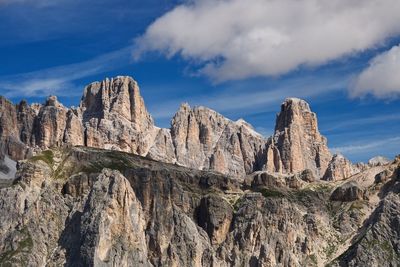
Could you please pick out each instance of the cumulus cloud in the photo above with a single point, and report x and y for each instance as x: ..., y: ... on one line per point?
x: 236, y: 39
x: 381, y: 78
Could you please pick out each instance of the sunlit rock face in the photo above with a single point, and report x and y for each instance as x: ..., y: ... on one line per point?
x: 81, y: 206
x: 112, y: 115
x: 340, y: 168
x: 205, y: 139
x: 297, y: 143
x: 208, y: 191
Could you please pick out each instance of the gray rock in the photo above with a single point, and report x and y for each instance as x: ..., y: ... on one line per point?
x: 378, y: 242
x: 69, y: 210
x: 348, y: 191
x: 215, y: 216
x: 340, y: 168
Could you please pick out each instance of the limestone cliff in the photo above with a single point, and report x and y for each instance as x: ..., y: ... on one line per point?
x: 297, y: 143
x: 112, y: 115
x: 90, y: 207
x: 204, y: 139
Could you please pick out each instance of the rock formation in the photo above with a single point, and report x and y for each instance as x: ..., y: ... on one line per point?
x: 377, y: 243
x: 80, y: 206
x: 349, y: 191
x: 112, y: 115
x: 209, y: 191
x: 297, y: 144
x: 205, y: 139
x: 339, y: 168
x: 378, y: 160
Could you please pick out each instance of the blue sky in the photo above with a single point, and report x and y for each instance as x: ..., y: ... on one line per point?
x: 237, y: 57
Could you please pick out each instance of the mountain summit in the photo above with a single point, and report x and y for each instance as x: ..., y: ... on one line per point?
x: 208, y: 191
x: 112, y: 115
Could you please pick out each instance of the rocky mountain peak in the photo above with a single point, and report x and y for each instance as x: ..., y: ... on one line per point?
x: 112, y: 115
x: 52, y: 101
x: 340, y: 168
x: 205, y: 139
x: 295, y: 111
x: 378, y: 160
x: 297, y: 143
x: 117, y: 97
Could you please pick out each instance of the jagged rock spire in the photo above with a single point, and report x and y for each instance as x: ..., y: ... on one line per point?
x: 117, y: 97
x: 204, y: 139
x: 112, y: 115
x: 115, y: 117
x: 297, y: 143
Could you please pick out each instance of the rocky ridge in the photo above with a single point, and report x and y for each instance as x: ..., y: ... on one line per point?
x: 89, y: 207
x: 208, y: 191
x: 112, y: 115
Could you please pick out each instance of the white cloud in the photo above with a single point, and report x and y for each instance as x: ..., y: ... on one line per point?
x: 382, y: 77
x: 372, y: 147
x: 342, y: 122
x: 236, y: 39
x: 245, y: 98
x: 60, y: 79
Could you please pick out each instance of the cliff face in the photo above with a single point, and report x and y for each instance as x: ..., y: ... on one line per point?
x: 208, y: 191
x: 297, y: 144
x: 205, y: 139
x: 112, y: 115
x: 90, y: 207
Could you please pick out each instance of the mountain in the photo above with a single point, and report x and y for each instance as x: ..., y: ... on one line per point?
x: 112, y: 115
x: 101, y: 185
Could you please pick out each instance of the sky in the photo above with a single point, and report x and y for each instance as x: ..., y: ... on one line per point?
x: 241, y: 58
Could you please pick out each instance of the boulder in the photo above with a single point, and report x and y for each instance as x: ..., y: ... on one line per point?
x: 346, y: 192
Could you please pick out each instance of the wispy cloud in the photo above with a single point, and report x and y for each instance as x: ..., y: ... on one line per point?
x: 343, y: 123
x: 37, y: 3
x: 247, y: 99
x: 387, y: 146
x: 60, y: 80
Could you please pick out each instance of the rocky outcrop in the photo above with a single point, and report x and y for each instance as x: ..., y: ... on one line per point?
x: 215, y: 216
x: 16, y: 123
x: 112, y: 115
x: 83, y: 206
x: 377, y: 242
x: 7, y: 167
x: 378, y: 161
x: 276, y: 180
x: 163, y: 148
x: 112, y: 225
x: 297, y: 144
x: 339, y: 168
x: 349, y: 191
x: 204, y: 139
x: 384, y: 176
x: 50, y: 124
